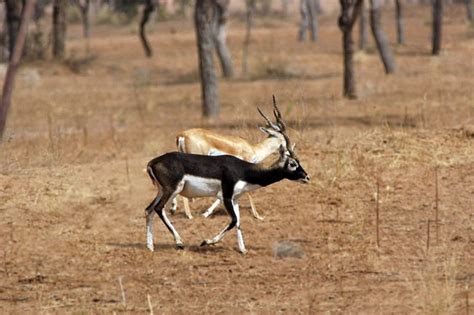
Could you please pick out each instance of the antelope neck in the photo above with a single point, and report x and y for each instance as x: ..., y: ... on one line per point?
x: 264, y: 177
x: 265, y: 148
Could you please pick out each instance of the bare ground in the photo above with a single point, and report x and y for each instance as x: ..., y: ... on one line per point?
x: 73, y: 190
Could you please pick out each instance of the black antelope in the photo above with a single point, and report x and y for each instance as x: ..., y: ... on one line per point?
x: 225, y: 177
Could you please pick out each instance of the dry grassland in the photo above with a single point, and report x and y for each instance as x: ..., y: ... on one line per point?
x: 73, y: 190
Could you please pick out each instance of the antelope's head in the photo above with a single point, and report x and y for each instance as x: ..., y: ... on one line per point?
x: 277, y: 129
x: 292, y: 166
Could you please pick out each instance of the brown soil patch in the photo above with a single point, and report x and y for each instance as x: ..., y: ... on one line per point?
x: 73, y: 190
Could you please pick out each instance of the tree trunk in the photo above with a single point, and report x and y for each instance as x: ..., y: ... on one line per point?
x: 250, y: 4
x: 147, y: 10
x: 349, y: 13
x: 266, y: 7
x: 84, y: 8
x: 59, y: 29
x: 470, y: 10
x: 9, y: 81
x: 203, y: 14
x: 380, y: 38
x: 349, y: 73
x: 13, y: 8
x: 313, y: 21
x: 400, y: 22
x: 219, y: 31
x: 363, y: 34
x: 308, y: 20
x: 437, y: 25
x: 317, y: 7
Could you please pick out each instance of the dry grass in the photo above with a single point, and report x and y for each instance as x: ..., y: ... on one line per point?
x: 72, y: 186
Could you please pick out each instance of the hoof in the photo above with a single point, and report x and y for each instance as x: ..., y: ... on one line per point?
x: 204, y: 243
x: 206, y: 215
x: 189, y: 217
x: 179, y: 246
x: 259, y: 218
x: 150, y: 247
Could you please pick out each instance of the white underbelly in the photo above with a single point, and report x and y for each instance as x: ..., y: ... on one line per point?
x: 194, y: 186
x: 243, y: 187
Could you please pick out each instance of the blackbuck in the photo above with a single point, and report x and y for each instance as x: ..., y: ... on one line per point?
x: 207, y: 142
x: 225, y: 177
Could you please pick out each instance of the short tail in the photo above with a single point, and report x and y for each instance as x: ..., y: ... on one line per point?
x: 152, y: 175
x: 180, y: 143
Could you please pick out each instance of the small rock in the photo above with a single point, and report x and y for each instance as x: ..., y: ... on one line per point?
x: 286, y: 249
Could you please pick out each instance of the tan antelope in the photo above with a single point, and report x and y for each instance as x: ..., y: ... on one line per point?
x: 207, y: 142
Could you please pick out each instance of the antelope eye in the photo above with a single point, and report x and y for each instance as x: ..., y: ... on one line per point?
x: 293, y: 164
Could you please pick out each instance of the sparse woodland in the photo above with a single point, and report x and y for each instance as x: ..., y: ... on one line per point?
x: 377, y: 95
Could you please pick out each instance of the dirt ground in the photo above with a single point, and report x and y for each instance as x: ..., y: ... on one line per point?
x: 73, y: 189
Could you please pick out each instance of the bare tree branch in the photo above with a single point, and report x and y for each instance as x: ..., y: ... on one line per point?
x: 149, y: 8
x: 13, y: 65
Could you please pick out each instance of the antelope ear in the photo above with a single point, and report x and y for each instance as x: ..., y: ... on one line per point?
x: 264, y: 130
x: 282, y: 150
x: 269, y: 131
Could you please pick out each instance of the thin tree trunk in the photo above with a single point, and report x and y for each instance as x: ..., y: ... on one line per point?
x: 363, y: 34
x: 349, y: 13
x: 400, y: 22
x: 203, y: 13
x: 248, y: 29
x: 147, y: 10
x: 84, y: 8
x: 437, y: 25
x: 313, y: 21
x: 308, y: 20
x: 317, y: 7
x: 266, y: 7
x: 380, y: 38
x: 304, y: 20
x: 219, y: 30
x: 13, y: 8
x: 470, y: 10
x: 59, y: 29
x: 9, y: 81
x: 349, y: 73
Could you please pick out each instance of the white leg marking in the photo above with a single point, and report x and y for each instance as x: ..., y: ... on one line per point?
x: 174, y: 205
x: 149, y: 230
x: 216, y: 238
x: 177, y: 238
x: 211, y: 208
x: 240, y: 239
x: 150, y: 212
